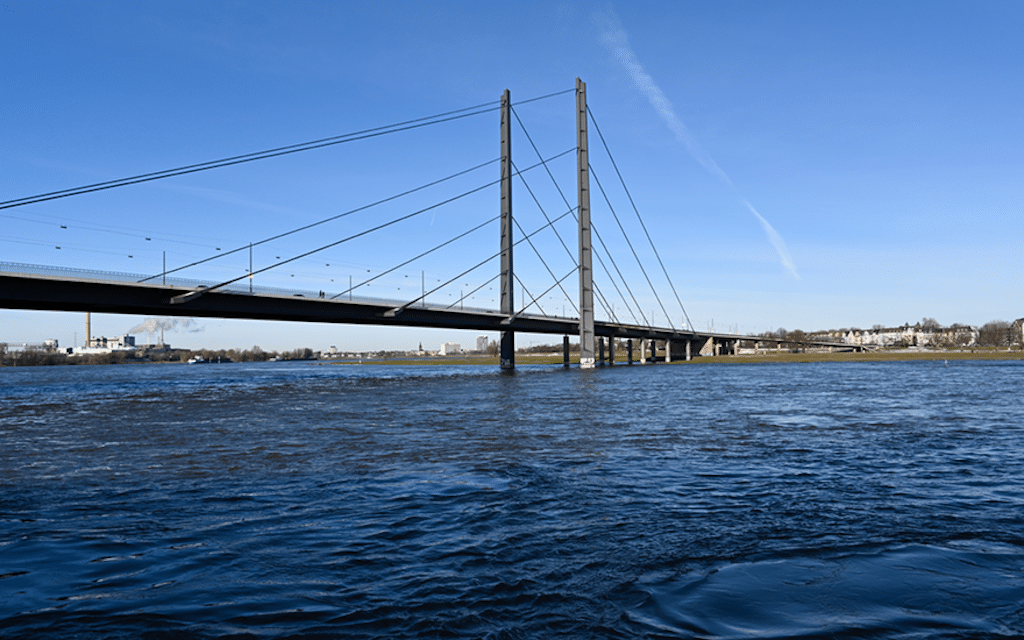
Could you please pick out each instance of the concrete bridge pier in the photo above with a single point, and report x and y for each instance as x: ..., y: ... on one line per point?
x: 643, y: 351
x: 600, y: 352
x: 668, y: 351
x: 629, y: 350
x: 565, y: 351
x: 726, y: 347
x: 611, y: 351
x: 682, y: 350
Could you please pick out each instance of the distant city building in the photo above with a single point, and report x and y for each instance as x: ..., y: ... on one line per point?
x: 160, y: 347
x: 913, y: 336
x: 451, y: 349
x: 108, y: 345
x: 481, y: 343
x: 45, y: 345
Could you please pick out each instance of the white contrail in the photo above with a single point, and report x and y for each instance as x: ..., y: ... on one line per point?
x: 614, y: 37
x: 776, y: 240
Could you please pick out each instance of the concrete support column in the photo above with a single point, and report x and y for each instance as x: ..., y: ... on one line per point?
x: 508, y: 341
x: 668, y: 351
x: 565, y: 351
x: 629, y: 350
x: 643, y: 351
x: 600, y: 352
x: 583, y: 202
x: 688, y: 354
x: 611, y: 350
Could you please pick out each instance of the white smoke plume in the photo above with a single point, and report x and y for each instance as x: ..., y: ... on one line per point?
x: 152, y: 325
x: 614, y: 37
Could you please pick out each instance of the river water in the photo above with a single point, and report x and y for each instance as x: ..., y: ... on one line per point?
x: 877, y: 500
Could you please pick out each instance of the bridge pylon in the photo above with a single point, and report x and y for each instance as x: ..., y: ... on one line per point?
x: 583, y: 201
x: 508, y: 342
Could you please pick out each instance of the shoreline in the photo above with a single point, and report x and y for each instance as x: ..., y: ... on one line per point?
x: 555, y: 360
x: 867, y: 356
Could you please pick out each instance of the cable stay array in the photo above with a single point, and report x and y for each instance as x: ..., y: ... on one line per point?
x: 541, y: 284
x: 479, y: 264
x: 540, y: 257
x: 640, y: 219
x: 337, y: 217
x: 606, y: 306
x: 351, y: 237
x: 625, y: 235
x: 429, y: 251
x: 258, y: 155
x: 601, y: 250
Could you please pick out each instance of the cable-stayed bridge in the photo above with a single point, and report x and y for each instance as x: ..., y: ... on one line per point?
x: 517, y: 308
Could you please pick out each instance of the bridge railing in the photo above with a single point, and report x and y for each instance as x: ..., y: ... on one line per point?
x: 241, y: 288
x: 121, y: 276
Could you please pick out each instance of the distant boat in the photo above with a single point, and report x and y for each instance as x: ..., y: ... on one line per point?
x: 197, y: 360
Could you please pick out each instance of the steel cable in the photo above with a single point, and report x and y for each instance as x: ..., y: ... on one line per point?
x: 637, y: 211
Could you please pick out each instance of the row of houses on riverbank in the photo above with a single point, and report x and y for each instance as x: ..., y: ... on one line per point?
x: 932, y: 335
x: 914, y: 336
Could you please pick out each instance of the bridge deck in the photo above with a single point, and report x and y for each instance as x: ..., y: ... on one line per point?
x: 79, y: 293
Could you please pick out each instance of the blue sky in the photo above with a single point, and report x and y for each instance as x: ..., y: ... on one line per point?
x: 799, y: 164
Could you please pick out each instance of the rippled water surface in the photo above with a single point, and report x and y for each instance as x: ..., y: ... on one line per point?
x: 876, y: 500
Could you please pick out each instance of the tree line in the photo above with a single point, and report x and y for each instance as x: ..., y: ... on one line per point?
x: 32, y: 357
x: 996, y: 333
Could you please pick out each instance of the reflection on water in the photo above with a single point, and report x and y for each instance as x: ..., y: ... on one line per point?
x: 727, y: 501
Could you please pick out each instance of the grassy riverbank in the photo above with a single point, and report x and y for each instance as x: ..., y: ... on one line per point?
x: 893, y: 355
x: 462, y: 360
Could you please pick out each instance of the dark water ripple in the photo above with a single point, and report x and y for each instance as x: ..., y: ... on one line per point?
x: 296, y: 500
